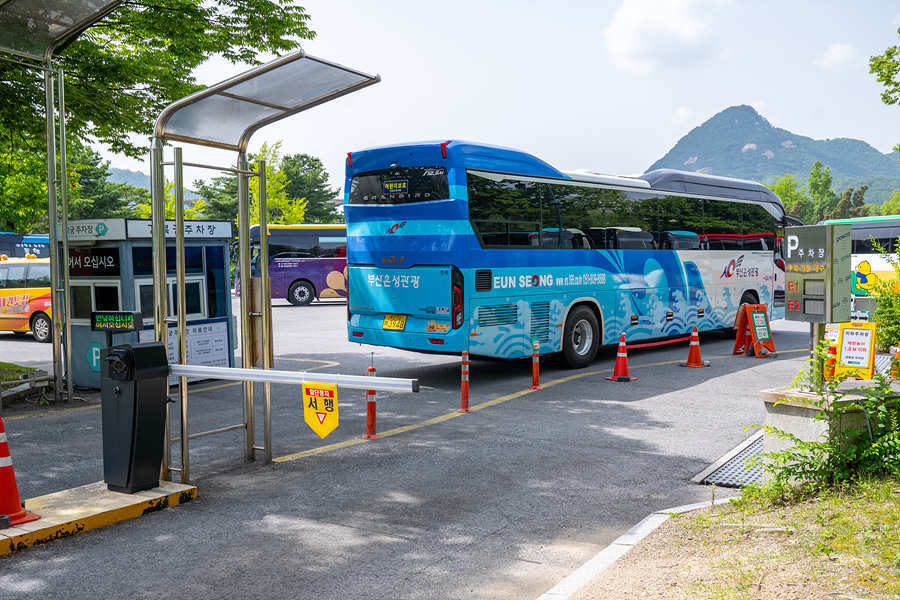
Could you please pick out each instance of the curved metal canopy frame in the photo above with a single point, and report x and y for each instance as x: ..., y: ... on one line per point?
x: 38, y: 28
x: 225, y: 115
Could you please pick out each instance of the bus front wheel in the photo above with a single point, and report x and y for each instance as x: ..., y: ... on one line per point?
x: 301, y: 293
x: 581, y: 336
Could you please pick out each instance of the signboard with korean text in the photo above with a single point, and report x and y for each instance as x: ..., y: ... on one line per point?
x: 116, y: 321
x: 856, y: 350
x: 96, y: 230
x: 207, y: 343
x: 817, y: 273
x: 94, y: 262
x: 193, y: 230
x: 320, y: 407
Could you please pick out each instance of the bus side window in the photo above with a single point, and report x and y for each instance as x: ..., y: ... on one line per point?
x: 3, y: 273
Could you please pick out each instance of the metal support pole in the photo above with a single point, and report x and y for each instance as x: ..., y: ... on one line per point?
x: 66, y: 305
x: 158, y: 245
x: 265, y: 308
x: 244, y: 263
x: 54, y: 230
x: 158, y: 228
x: 182, y: 311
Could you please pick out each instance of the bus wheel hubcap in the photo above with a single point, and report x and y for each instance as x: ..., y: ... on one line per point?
x: 582, y: 337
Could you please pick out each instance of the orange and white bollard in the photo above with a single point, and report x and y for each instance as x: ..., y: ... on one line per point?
x: 535, y: 366
x: 464, y: 385
x: 370, y: 410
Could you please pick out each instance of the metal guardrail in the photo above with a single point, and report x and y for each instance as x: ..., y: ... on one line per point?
x: 358, y: 382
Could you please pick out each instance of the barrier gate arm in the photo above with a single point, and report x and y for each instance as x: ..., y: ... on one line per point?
x: 359, y: 382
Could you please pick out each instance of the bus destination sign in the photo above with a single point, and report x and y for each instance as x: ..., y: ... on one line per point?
x: 398, y: 186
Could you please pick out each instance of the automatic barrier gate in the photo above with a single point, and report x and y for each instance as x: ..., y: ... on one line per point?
x: 224, y: 116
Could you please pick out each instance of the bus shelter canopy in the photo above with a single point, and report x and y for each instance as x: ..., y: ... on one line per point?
x: 35, y: 28
x: 227, y: 114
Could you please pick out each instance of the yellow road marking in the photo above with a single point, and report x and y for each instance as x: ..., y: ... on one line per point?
x: 489, y: 403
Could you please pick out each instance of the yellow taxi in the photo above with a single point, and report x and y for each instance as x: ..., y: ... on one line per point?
x: 25, y: 296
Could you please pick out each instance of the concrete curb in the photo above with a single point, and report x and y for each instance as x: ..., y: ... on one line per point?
x: 566, y: 588
x: 10, y: 395
x: 67, y: 513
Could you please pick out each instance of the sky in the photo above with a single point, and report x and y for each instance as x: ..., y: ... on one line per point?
x: 605, y: 85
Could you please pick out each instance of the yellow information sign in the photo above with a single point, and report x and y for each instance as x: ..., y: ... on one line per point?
x: 320, y: 407
x: 856, y: 350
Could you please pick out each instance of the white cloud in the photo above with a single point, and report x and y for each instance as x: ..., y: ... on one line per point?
x: 681, y: 119
x: 645, y: 35
x: 838, y: 56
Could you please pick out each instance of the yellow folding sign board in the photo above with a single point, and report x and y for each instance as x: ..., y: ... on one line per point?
x: 856, y: 350
x: 320, y: 407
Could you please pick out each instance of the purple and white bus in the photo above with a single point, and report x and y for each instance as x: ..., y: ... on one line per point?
x: 306, y: 262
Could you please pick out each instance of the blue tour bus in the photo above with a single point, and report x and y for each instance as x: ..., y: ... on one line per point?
x: 458, y: 246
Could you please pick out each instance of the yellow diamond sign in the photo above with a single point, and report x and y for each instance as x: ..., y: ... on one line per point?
x: 320, y: 407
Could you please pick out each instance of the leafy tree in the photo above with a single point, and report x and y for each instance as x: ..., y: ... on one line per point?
x: 823, y: 197
x: 892, y: 206
x: 860, y: 208
x: 887, y: 68
x: 140, y: 58
x: 195, y: 212
x: 793, y: 196
x: 307, y: 178
x: 221, y: 196
x: 279, y: 208
x: 94, y: 196
x: 842, y: 211
x: 120, y: 74
x: 23, y: 188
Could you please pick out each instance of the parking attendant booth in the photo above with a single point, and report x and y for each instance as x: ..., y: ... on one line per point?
x: 111, y: 269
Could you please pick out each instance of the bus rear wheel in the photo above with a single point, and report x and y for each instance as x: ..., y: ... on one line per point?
x: 41, y: 327
x: 301, y: 293
x: 581, y: 337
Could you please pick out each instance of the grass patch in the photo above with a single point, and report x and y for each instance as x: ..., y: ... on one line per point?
x: 841, y: 541
x: 11, y: 372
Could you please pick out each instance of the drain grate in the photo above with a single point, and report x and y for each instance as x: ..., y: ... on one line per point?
x: 734, y: 472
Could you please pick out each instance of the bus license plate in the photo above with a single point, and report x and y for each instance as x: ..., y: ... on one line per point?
x: 397, y: 322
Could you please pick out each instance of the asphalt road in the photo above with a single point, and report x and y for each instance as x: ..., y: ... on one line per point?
x: 503, y: 502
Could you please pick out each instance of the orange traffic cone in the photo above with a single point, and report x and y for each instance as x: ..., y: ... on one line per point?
x: 620, y: 372
x: 11, y: 510
x: 694, y: 359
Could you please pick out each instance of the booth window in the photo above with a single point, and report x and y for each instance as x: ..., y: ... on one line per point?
x: 88, y: 296
x: 208, y: 292
x: 195, y: 297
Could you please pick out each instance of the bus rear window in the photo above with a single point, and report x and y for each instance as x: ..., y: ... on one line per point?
x: 400, y: 185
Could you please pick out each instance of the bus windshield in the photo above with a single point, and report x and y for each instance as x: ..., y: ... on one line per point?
x: 400, y: 185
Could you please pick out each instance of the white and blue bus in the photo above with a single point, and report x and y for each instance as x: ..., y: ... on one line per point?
x: 458, y: 246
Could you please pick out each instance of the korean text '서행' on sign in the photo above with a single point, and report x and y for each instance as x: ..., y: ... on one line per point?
x: 320, y: 407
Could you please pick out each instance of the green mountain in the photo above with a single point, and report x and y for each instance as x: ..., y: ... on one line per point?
x: 133, y: 178
x: 739, y: 142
